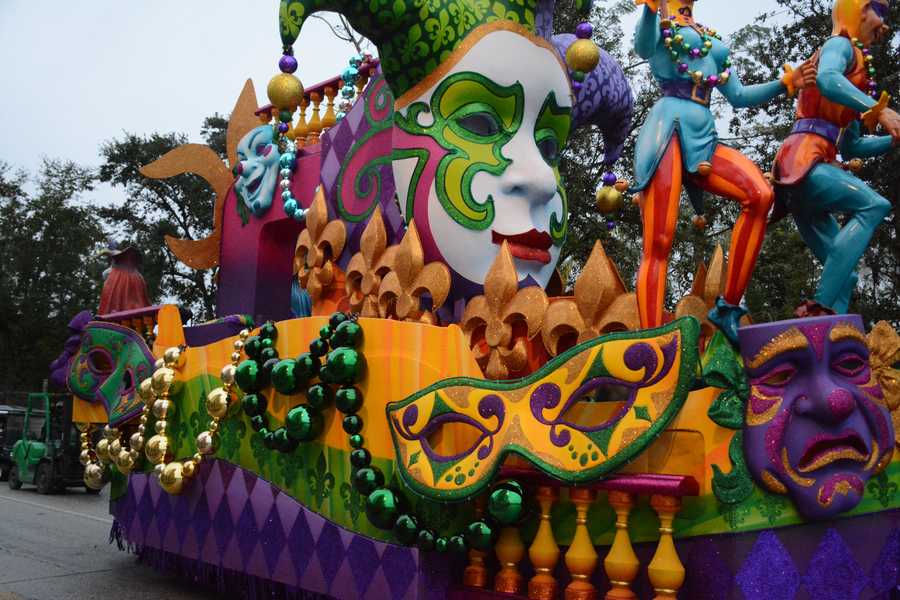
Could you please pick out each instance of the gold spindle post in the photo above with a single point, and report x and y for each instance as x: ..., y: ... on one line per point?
x: 666, y: 571
x: 301, y: 130
x: 476, y: 574
x: 581, y: 558
x: 510, y: 550
x: 544, y: 552
x: 315, y: 123
x: 330, y: 118
x: 621, y: 563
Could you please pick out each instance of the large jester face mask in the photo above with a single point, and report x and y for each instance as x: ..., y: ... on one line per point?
x: 476, y: 155
x: 816, y: 425
x: 257, y: 170
x: 110, y: 363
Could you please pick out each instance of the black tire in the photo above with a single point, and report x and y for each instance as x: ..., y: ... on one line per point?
x: 44, y: 479
x: 14, y: 482
x: 4, y: 474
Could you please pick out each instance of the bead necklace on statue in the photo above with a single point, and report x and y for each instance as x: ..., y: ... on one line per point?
x: 333, y: 358
x: 681, y: 51
x: 286, y: 94
x: 350, y: 77
x: 872, y: 83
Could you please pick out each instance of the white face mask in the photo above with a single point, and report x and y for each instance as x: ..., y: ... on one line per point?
x: 257, y: 168
x: 476, y: 155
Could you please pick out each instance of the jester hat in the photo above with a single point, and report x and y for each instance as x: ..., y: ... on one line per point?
x: 846, y: 15
x: 414, y: 36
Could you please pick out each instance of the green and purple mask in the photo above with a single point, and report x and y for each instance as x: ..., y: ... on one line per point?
x: 108, y: 367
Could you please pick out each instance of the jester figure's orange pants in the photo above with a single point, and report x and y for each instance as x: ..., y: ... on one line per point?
x: 734, y: 177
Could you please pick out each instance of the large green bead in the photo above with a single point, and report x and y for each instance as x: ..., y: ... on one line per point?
x: 253, y: 346
x: 348, y: 400
x: 268, y: 331
x: 283, y: 377
x: 356, y: 441
x: 367, y: 480
x: 347, y: 335
x: 352, y: 424
x: 318, y: 348
x: 360, y: 458
x: 283, y: 441
x: 247, y: 376
x: 456, y: 544
x: 304, y: 423
x: 268, y: 354
x: 441, y: 544
x: 266, y: 343
x: 254, y: 405
x: 506, y: 504
x: 345, y: 366
x: 319, y: 396
x: 406, y: 529
x: 382, y: 508
x: 325, y: 332
x: 336, y: 319
x: 479, y: 535
x: 307, y: 366
x: 425, y: 540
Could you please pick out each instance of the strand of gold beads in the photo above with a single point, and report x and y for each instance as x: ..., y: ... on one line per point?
x: 110, y: 450
x: 175, y: 474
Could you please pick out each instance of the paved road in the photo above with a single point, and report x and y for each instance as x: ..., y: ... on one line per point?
x: 55, y: 548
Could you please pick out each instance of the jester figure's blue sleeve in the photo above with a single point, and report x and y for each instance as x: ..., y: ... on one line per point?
x: 647, y: 35
x: 856, y: 145
x: 834, y: 60
x: 743, y: 96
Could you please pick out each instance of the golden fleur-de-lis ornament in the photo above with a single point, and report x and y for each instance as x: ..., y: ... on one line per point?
x: 318, y: 246
x: 491, y: 321
x: 709, y: 284
x: 884, y: 346
x: 602, y: 305
x: 368, y: 267
x: 401, y: 290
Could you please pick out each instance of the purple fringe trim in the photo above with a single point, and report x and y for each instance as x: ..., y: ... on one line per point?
x: 225, y: 582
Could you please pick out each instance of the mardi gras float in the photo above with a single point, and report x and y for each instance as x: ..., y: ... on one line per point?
x: 392, y: 405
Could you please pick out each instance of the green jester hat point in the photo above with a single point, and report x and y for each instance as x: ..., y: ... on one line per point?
x: 415, y: 36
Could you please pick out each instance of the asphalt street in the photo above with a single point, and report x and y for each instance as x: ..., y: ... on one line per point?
x: 55, y: 548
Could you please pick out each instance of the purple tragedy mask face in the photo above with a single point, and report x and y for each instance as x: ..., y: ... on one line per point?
x: 816, y: 426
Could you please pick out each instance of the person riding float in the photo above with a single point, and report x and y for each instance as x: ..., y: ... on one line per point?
x: 830, y: 116
x: 678, y: 144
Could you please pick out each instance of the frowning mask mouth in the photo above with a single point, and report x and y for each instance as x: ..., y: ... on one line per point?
x: 533, y: 245
x: 825, y: 449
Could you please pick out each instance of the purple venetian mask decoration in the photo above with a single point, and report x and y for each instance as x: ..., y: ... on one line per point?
x: 816, y: 425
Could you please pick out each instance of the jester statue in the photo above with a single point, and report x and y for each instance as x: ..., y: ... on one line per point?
x: 678, y: 145
x: 124, y: 287
x: 830, y: 118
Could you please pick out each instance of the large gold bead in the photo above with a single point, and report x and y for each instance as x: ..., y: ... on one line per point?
x: 172, y: 356
x: 228, y: 372
x: 124, y: 462
x: 172, y: 478
x: 207, y: 442
x: 156, y: 448
x: 137, y: 441
x: 583, y: 55
x: 159, y: 364
x: 609, y: 200
x: 115, y: 447
x: 162, y: 380
x: 94, y: 476
x: 217, y: 403
x: 145, y: 391
x: 161, y: 426
x: 102, y: 450
x: 285, y: 91
x: 85, y: 457
x: 189, y: 469
x: 163, y: 409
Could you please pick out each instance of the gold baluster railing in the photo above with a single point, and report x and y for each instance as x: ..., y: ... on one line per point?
x: 315, y: 123
x: 330, y: 118
x: 581, y: 558
x: 476, y: 573
x: 510, y: 551
x: 301, y: 129
x: 544, y: 552
x: 666, y: 571
x: 621, y: 564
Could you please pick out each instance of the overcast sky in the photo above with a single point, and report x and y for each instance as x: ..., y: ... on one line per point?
x: 79, y: 73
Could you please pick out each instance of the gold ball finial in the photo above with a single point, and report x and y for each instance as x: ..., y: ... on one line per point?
x: 285, y: 91
x: 583, y: 55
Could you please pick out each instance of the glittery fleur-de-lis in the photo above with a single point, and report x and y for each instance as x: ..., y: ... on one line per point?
x: 709, y: 284
x: 602, y: 305
x: 499, y: 323
x: 884, y: 345
x: 368, y: 266
x: 401, y: 290
x: 317, y: 248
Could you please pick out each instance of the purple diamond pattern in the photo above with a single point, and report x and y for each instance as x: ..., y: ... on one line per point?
x: 230, y: 518
x: 833, y: 573
x: 769, y: 572
x: 885, y: 573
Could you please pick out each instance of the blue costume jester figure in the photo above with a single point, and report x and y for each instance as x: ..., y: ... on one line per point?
x: 830, y: 118
x: 678, y: 144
